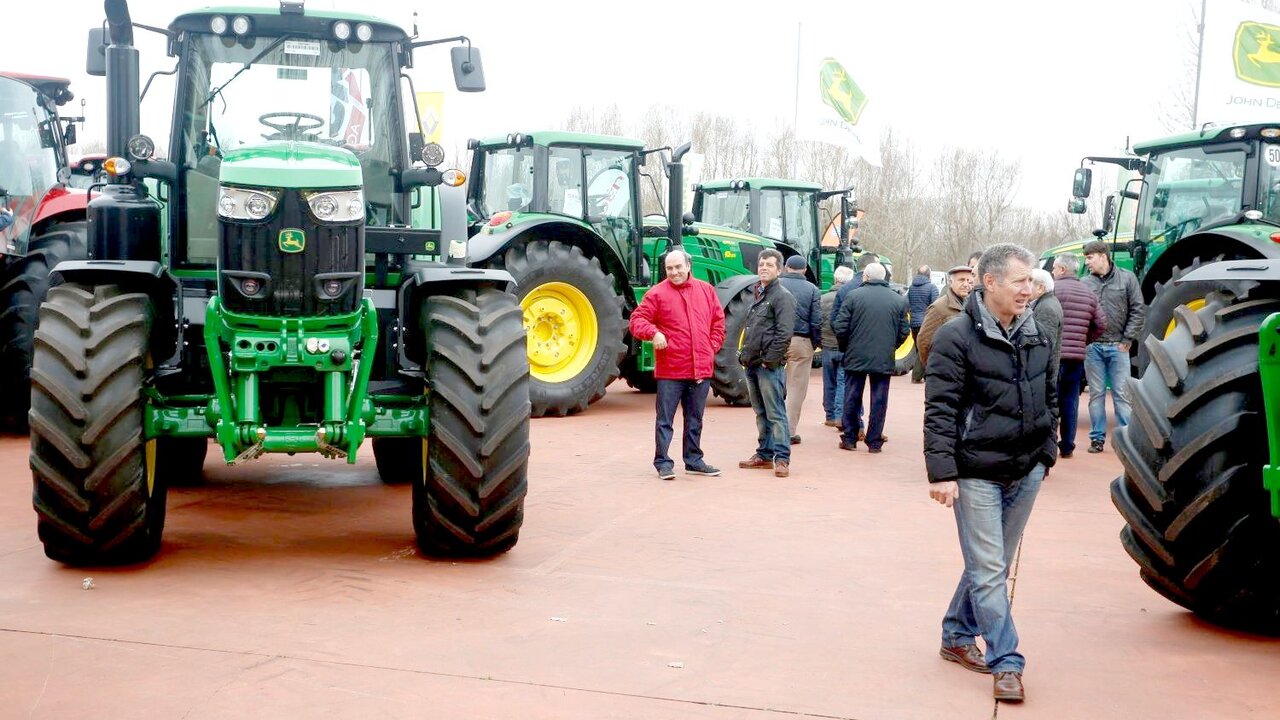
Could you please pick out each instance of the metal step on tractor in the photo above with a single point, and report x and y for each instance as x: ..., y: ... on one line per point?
x: 42, y: 220
x: 282, y: 282
x: 1200, y: 493
x: 562, y: 213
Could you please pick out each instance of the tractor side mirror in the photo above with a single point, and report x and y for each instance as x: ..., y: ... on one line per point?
x: 96, y: 57
x: 1076, y: 206
x: 1109, y: 214
x: 468, y: 70
x: 1082, y: 183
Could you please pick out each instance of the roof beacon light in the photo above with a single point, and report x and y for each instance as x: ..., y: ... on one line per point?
x: 364, y: 32
x: 218, y: 24
x: 342, y: 29
x: 241, y: 25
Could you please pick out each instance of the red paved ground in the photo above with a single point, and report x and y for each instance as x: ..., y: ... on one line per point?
x: 291, y: 588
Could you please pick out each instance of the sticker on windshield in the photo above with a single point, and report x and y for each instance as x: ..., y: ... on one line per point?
x: 1273, y: 155
x: 302, y: 47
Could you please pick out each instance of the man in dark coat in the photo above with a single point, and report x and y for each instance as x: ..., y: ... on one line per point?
x: 765, y: 339
x: 805, y: 336
x: 988, y: 443
x: 1047, y: 310
x: 871, y: 324
x: 1083, y: 322
x: 919, y: 297
x: 1106, y: 362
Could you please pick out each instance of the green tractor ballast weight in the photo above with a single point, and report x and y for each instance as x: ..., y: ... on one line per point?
x: 276, y: 285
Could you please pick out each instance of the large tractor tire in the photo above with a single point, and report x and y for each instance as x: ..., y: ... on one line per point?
x: 1161, y: 318
x: 97, y: 497
x: 470, y: 499
x: 574, y: 318
x: 729, y: 382
x: 23, y: 287
x: 1198, y: 520
x: 399, y: 459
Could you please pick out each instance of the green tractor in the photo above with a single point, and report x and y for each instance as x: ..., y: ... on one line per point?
x: 562, y: 213
x: 1200, y: 493
x: 275, y: 285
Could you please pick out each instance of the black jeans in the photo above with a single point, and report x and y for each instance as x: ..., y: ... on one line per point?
x: 691, y: 395
x: 1070, y: 373
x: 854, y: 383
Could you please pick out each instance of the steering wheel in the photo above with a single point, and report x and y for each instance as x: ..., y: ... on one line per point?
x: 294, y: 129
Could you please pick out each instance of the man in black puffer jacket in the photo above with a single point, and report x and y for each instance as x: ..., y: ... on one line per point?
x: 988, y: 442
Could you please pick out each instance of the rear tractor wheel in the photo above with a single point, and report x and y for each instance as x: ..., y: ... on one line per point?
x: 729, y: 382
x: 469, y: 499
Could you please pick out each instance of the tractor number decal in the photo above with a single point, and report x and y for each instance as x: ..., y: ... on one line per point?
x: 292, y: 240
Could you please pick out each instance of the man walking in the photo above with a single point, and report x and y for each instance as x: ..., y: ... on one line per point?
x: 1082, y: 323
x: 805, y: 336
x: 683, y: 318
x: 919, y: 297
x: 871, y: 323
x: 832, y: 367
x: 765, y: 339
x: 1106, y: 362
x: 959, y: 284
x: 988, y: 441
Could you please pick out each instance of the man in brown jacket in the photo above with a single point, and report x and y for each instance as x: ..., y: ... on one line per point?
x: 949, y: 305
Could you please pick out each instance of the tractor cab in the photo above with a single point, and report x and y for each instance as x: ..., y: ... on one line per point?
x: 33, y: 140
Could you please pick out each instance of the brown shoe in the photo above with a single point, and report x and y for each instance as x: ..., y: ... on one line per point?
x: 862, y: 436
x: 831, y: 423
x: 781, y: 468
x: 969, y: 657
x: 1008, y: 687
x: 755, y: 462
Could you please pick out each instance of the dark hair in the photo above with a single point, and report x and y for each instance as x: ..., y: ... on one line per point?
x: 995, y: 259
x: 771, y: 253
x: 1096, y: 247
x: 866, y: 259
x: 977, y: 255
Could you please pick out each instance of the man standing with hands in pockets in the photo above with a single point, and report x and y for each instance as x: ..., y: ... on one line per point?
x: 683, y: 318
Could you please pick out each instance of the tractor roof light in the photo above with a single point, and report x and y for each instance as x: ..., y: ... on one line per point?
x: 453, y: 178
x: 241, y: 25
x: 218, y: 24
x: 141, y: 147
x: 342, y: 30
x: 116, y: 166
x: 499, y: 218
x: 1269, y: 132
x: 1237, y: 133
x: 364, y: 32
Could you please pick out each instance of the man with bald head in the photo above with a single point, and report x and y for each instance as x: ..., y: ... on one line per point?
x: 870, y: 325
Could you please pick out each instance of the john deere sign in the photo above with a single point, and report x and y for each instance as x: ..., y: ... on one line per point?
x: 1257, y: 54
x: 840, y: 92
x: 292, y: 240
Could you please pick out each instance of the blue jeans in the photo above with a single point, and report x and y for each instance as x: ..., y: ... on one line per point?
x: 691, y: 396
x: 832, y: 383
x: 990, y: 517
x: 767, y: 389
x: 1105, y: 364
x: 853, y: 386
x: 1070, y: 372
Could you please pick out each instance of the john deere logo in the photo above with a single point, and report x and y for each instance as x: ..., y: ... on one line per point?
x: 1257, y: 54
x: 840, y: 92
x: 292, y: 240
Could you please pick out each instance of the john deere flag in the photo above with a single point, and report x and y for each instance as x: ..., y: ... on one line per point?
x: 833, y: 103
x: 1240, y: 64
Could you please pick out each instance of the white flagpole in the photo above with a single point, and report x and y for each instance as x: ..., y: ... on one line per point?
x: 1195, y: 104
x: 795, y: 115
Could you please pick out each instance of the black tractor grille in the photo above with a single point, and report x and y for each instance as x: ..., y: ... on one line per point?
x: 291, y: 283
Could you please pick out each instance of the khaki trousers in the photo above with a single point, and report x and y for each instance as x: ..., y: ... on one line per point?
x: 799, y: 369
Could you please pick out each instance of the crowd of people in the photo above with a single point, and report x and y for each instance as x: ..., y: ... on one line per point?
x: 1002, y: 351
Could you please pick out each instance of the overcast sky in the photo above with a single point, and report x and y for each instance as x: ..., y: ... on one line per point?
x: 1043, y: 82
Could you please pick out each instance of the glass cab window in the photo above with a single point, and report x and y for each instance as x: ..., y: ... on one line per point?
x: 507, y: 178
x: 1191, y: 189
x: 771, y: 214
x: 28, y: 157
x: 564, y: 181
x: 610, y: 195
x: 800, y: 217
x: 727, y: 208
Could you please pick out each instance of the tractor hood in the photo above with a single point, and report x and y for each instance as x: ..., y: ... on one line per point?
x: 291, y: 164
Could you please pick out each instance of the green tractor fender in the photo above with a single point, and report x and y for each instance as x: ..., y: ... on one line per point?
x: 1226, y: 243
x: 144, y: 276
x: 491, y: 243
x: 437, y: 279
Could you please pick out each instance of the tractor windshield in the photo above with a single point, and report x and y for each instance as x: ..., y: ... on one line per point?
x: 727, y: 208
x: 256, y: 89
x: 507, y: 180
x: 789, y: 216
x: 28, y: 157
x: 1190, y: 189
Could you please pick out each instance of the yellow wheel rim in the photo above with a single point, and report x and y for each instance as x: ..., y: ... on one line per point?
x: 905, y: 348
x: 1193, y: 306
x: 561, y: 331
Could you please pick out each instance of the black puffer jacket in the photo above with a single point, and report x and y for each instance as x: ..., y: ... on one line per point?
x: 990, y: 401
x: 768, y: 328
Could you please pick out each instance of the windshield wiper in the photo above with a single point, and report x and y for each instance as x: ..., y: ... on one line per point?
x: 265, y: 51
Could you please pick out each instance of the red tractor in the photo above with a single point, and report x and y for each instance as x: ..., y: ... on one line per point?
x: 42, y: 222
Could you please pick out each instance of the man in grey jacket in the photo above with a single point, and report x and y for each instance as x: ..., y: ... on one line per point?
x: 1106, y: 362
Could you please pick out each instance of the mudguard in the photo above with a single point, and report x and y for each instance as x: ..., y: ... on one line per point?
x: 1260, y: 270
x: 432, y: 279
x: 145, y: 276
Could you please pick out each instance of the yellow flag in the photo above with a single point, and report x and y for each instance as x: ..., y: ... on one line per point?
x: 431, y: 110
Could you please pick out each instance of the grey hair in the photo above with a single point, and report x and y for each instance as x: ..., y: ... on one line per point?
x: 874, y: 271
x: 843, y: 274
x: 688, y: 259
x: 1042, y: 278
x: 995, y: 259
x: 1069, y: 262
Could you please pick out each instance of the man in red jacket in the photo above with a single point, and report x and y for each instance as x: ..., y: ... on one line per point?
x: 683, y: 318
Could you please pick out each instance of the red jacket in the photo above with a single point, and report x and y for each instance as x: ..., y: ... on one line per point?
x: 690, y: 317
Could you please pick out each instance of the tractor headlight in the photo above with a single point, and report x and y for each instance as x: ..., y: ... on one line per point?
x: 364, y: 32
x: 342, y: 30
x: 240, y: 25
x: 141, y: 147
x: 336, y: 205
x: 432, y: 154
x: 241, y: 204
x: 218, y: 24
